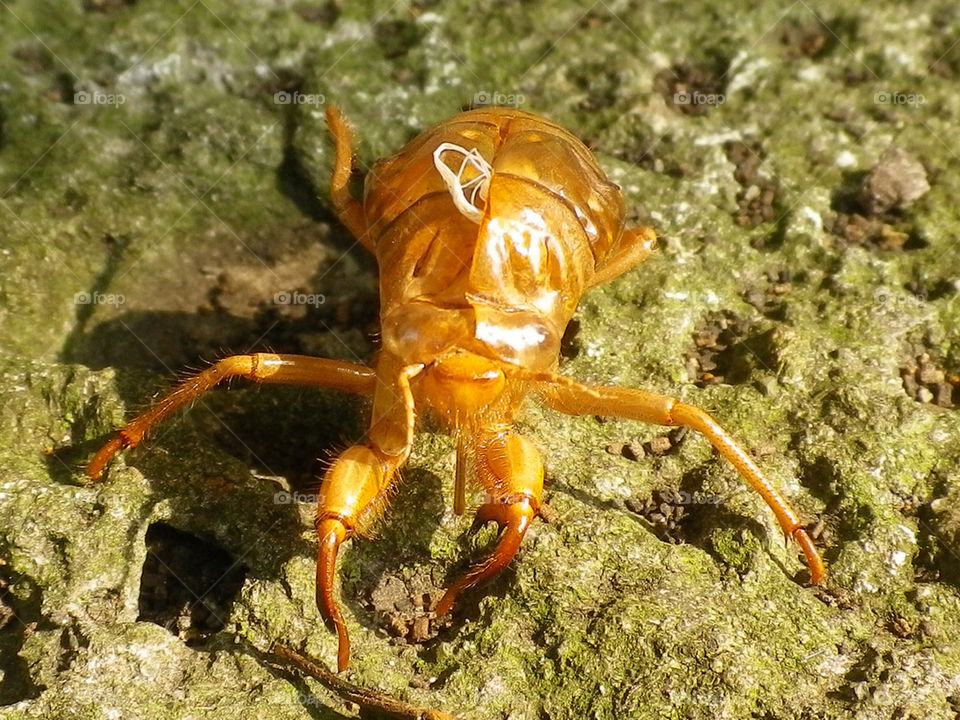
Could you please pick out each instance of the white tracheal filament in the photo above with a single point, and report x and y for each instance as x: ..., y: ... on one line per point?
x: 477, y: 186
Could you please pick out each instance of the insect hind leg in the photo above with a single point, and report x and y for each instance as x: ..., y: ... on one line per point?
x: 349, y: 210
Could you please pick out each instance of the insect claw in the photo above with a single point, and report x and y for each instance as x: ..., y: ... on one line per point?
x: 332, y: 533
x: 817, y: 571
x: 479, y: 523
x: 475, y: 527
x: 513, y: 519
x: 487, y: 513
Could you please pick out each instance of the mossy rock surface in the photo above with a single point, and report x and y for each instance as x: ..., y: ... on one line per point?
x: 164, y: 170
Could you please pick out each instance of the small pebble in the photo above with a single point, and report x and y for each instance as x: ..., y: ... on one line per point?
x: 768, y: 386
x: 944, y: 395
x: 634, y: 451
x: 817, y: 530
x: 894, y: 183
x: 420, y: 630
x: 931, y: 375
x: 660, y: 445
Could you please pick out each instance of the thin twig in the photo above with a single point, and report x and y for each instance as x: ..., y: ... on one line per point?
x: 366, y: 699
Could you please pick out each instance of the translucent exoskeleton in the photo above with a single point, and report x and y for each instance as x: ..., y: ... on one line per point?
x: 487, y: 229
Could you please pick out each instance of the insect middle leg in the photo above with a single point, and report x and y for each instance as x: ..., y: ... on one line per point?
x: 258, y: 367
x: 510, y: 469
x: 573, y: 398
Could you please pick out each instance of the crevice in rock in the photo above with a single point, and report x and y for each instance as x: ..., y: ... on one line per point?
x: 188, y: 584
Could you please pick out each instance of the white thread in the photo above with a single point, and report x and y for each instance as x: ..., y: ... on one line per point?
x: 477, y: 186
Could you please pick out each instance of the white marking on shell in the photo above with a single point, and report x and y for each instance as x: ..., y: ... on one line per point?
x: 477, y: 186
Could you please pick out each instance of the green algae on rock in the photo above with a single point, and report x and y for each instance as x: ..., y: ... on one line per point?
x: 200, y: 197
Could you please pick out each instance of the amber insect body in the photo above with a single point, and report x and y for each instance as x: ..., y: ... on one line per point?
x: 487, y: 230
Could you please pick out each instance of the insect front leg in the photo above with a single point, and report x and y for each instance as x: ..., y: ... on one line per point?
x: 573, y: 398
x: 354, y: 491
x: 357, y: 486
x: 258, y: 367
x: 510, y: 469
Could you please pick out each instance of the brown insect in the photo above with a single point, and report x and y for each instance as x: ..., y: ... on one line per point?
x: 487, y: 229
